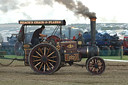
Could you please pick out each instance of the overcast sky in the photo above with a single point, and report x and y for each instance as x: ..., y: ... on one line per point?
x: 107, y: 11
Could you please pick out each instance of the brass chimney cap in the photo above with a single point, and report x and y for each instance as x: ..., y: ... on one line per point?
x: 93, y: 18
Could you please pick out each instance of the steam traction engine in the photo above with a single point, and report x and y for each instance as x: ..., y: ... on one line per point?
x: 47, y: 58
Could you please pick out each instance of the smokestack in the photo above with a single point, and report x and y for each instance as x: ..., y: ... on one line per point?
x: 93, y: 30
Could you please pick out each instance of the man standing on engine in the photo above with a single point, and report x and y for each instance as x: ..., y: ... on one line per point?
x: 36, y: 36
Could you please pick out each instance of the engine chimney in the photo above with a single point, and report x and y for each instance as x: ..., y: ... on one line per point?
x: 93, y: 30
x: 92, y: 50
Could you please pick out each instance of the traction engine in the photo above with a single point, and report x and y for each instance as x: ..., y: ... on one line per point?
x: 47, y: 58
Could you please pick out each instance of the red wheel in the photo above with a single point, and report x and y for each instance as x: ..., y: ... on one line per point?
x: 44, y: 59
x: 95, y: 65
x: 53, y: 39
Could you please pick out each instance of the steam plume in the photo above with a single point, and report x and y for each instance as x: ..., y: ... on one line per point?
x: 78, y: 8
x: 45, y: 2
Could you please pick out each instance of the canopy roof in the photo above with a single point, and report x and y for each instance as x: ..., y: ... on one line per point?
x: 42, y: 22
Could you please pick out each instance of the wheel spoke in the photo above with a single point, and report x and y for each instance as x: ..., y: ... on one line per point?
x: 99, y: 64
x: 95, y: 61
x: 100, y: 67
x: 35, y: 56
x: 97, y: 70
x: 48, y: 66
x: 40, y: 51
x: 92, y: 61
x: 91, y: 64
x: 90, y: 67
x: 93, y: 69
x: 48, y: 51
x: 41, y: 66
x: 98, y: 61
x: 39, y: 54
x: 51, y: 60
x: 44, y: 51
x: 53, y: 57
x: 37, y: 60
x: 51, y: 65
x: 44, y: 67
x: 37, y: 64
x: 51, y: 54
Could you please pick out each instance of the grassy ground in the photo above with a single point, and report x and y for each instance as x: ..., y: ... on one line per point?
x: 14, y: 56
x: 124, y: 57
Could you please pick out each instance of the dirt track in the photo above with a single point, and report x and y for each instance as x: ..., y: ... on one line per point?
x: 116, y: 73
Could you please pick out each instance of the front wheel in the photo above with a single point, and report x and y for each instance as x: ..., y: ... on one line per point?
x: 95, y: 65
x: 44, y: 59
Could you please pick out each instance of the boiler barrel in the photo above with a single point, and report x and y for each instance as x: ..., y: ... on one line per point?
x: 88, y: 51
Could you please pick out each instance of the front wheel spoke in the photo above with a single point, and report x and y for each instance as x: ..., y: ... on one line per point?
x: 51, y: 60
x: 100, y: 67
x: 99, y: 63
x: 93, y: 69
x: 37, y: 60
x: 51, y: 54
x: 92, y: 62
x: 95, y: 61
x: 39, y: 54
x: 37, y: 64
x: 91, y: 66
x: 97, y: 70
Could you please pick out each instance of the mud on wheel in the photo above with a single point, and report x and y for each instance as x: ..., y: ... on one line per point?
x: 44, y: 59
x: 95, y: 65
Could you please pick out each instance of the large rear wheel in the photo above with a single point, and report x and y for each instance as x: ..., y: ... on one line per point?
x: 44, y: 59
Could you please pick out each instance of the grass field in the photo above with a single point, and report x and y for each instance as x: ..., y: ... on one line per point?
x: 14, y: 56
x: 124, y: 57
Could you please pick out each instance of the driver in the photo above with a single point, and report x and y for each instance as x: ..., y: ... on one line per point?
x: 36, y: 36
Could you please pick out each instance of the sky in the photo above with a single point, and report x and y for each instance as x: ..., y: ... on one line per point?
x: 107, y: 11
